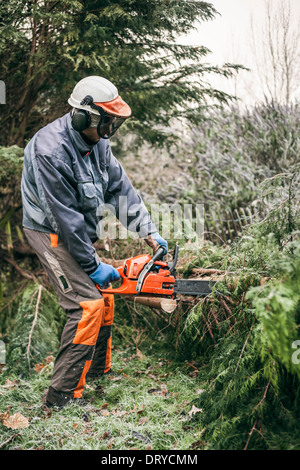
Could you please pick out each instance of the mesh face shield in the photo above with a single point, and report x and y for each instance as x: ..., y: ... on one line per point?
x: 106, y: 124
x: 109, y: 125
x: 94, y: 120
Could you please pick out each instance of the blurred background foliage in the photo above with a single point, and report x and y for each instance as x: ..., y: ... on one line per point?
x: 47, y: 46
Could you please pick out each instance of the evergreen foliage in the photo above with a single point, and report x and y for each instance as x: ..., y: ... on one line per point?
x: 36, y: 330
x: 245, y: 339
x: 11, y: 162
x: 46, y: 47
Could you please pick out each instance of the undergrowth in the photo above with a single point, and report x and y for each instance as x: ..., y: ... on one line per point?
x: 246, y: 337
x: 148, y: 404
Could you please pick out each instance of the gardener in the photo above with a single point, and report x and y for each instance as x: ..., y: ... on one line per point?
x: 69, y: 175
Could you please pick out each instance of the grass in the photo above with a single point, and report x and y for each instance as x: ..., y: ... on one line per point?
x: 147, y: 405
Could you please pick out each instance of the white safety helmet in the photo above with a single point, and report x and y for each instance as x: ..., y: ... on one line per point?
x: 104, y: 94
x: 97, y: 103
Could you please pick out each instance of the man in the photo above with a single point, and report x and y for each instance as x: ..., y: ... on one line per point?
x: 69, y: 175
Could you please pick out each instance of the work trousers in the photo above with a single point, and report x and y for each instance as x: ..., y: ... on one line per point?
x: 85, y: 349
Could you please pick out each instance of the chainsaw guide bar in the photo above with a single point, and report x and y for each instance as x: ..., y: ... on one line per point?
x: 192, y: 287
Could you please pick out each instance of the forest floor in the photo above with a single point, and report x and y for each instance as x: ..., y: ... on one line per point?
x: 146, y: 405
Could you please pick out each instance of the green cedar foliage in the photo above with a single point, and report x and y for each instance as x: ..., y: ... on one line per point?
x: 47, y: 46
x: 11, y: 162
x: 246, y: 340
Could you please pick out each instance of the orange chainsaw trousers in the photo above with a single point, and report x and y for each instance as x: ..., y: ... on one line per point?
x: 85, y: 349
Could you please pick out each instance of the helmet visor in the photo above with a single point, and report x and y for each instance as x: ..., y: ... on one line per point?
x: 108, y: 125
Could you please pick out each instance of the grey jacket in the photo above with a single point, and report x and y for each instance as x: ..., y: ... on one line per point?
x: 66, y: 184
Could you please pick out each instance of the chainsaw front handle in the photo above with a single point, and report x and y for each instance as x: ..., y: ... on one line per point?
x: 158, y: 254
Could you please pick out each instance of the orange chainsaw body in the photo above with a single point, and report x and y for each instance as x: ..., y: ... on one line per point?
x: 158, y: 281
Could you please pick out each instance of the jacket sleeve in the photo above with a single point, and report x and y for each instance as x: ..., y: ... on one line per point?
x: 56, y: 187
x: 124, y: 201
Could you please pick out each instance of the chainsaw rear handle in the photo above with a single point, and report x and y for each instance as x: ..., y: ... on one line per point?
x: 119, y: 290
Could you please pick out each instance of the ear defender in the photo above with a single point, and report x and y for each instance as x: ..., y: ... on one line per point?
x: 80, y: 120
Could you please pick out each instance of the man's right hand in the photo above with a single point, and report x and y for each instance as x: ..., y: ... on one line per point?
x: 104, y: 275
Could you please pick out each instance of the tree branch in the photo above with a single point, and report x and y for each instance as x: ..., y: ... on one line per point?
x: 39, y: 291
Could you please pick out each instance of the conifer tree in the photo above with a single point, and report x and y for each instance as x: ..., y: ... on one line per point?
x: 46, y: 46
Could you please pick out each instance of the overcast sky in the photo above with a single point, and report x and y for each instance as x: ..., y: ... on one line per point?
x: 229, y: 38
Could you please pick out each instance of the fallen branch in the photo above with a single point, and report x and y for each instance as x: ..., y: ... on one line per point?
x: 254, y: 425
x: 9, y: 439
x: 210, y: 332
x: 214, y: 315
x: 264, y: 395
x: 39, y: 291
x: 208, y: 329
x: 161, y: 303
x: 20, y: 270
x: 243, y: 349
x: 207, y: 271
x: 225, y: 306
x: 232, y: 302
x: 250, y: 434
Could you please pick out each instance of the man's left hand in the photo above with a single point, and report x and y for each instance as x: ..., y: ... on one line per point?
x: 154, y: 240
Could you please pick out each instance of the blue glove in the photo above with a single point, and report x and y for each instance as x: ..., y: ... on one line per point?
x: 104, y: 274
x: 160, y: 241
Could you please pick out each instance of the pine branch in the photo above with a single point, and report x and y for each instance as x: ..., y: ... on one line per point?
x: 243, y: 349
x: 250, y: 434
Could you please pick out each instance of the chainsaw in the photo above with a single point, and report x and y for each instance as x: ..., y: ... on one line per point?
x: 150, y: 276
